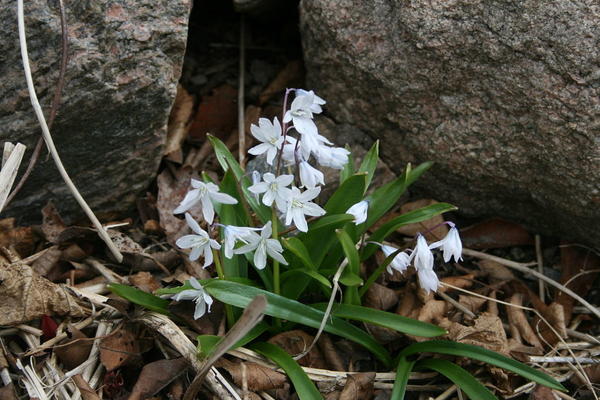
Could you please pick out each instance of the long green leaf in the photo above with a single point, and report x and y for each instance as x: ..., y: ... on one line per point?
x: 411, y: 217
x: 369, y: 163
x: 298, y: 248
x: 291, y: 310
x: 305, y: 388
x: 463, y: 379
x: 484, y: 355
x: 402, y: 374
x: 384, y: 318
x: 384, y: 198
x: 139, y: 297
x: 349, y: 193
x: 349, y: 168
x: 206, y: 343
x: 351, y: 292
x: 287, y: 275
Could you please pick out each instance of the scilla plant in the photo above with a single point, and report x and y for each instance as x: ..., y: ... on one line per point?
x: 270, y: 234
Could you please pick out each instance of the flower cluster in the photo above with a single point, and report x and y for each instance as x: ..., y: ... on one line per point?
x: 291, y: 197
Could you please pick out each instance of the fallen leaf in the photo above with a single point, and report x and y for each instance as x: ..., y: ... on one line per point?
x: 74, y: 350
x: 542, y: 393
x: 380, y: 297
x: 592, y: 372
x: 217, y: 114
x: 52, y: 223
x: 179, y: 124
x: 330, y: 353
x: 382, y: 334
x: 358, y: 386
x: 22, y: 239
x: 296, y: 342
x: 472, y: 303
x: 495, y: 233
x: 495, y: 271
x: 433, y: 229
x: 119, y: 348
x: 432, y: 311
x: 8, y: 392
x: 47, y: 261
x: 156, y: 375
x: 556, y: 327
x: 48, y: 326
x: 258, y: 378
x: 133, y: 254
x: 462, y: 282
x: 87, y: 393
x: 518, y: 322
x: 487, y: 331
x: 24, y: 295
x: 409, y: 303
x: 144, y: 281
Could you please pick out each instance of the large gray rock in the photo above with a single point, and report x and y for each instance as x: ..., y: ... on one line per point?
x: 125, y: 58
x: 503, y: 96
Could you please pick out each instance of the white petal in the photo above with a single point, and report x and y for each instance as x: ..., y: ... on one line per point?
x: 214, y: 244
x: 271, y: 153
x: 187, y: 241
x: 267, y: 230
x: 196, y: 184
x: 268, y: 198
x: 195, y: 253
x: 223, y: 198
x: 258, y: 188
x: 259, y: 149
x: 276, y: 255
x: 194, y: 225
x: 284, y: 180
x: 188, y: 294
x: 299, y: 220
x: 208, y: 256
x: 287, y: 117
x: 207, y: 210
x: 200, y: 309
x: 313, y: 210
x: 306, y: 126
x: 260, y: 257
x: 195, y: 284
x: 428, y: 280
x: 190, y: 199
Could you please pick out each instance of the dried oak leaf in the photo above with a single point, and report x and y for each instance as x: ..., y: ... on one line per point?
x: 330, y: 353
x: 47, y: 261
x: 156, y: 375
x: 358, y: 386
x: 296, y: 342
x: 120, y: 348
x: 487, y: 331
x: 52, y: 223
x: 258, y: 378
x: 21, y: 238
x: 74, y: 350
x: 519, y: 325
x: 144, y: 281
x: 380, y: 297
x: 24, y: 295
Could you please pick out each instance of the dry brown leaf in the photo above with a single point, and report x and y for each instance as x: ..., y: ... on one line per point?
x: 144, y: 281
x: 330, y: 353
x: 87, y: 393
x: 472, y: 303
x: 296, y: 342
x: 258, y: 378
x: 22, y: 239
x: 217, y: 114
x: 487, y: 331
x: 430, y: 228
x: 380, y: 297
x: 518, y: 320
x: 73, y: 253
x: 24, y: 295
x: 156, y: 375
x: 574, y: 260
x: 358, y: 386
x: 52, y: 223
x: 555, y: 315
x: 592, y: 372
x: 119, y: 348
x: 463, y: 282
x: 289, y: 76
x: 495, y: 271
x: 133, y: 254
x: 382, y: 334
x: 47, y: 261
x: 409, y: 303
x: 74, y: 350
x: 495, y: 233
x: 8, y: 392
x: 179, y: 124
x: 542, y: 393
x: 432, y: 311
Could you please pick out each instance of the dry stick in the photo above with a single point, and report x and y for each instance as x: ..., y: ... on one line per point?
x: 50, y: 143
x: 252, y: 315
x: 55, y: 102
x: 523, y: 268
x: 540, y: 267
x: 241, y: 117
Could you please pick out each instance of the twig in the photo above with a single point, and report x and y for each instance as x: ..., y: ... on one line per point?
x: 456, y: 304
x: 582, y: 360
x: 524, y: 268
x: 241, y: 91
x: 50, y: 143
x: 55, y: 102
x: 540, y: 267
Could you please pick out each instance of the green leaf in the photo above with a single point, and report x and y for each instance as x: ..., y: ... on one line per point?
x: 206, y: 343
x: 348, y: 169
x: 227, y: 160
x: 369, y: 163
x: 296, y: 246
x: 484, y: 355
x: 287, y: 275
x: 384, y: 198
x: 349, y: 193
x: 139, y: 297
x: 402, y: 374
x: 305, y: 388
x: 463, y: 379
x: 421, y: 214
x: 351, y: 292
x: 291, y: 310
x: 349, y: 278
x: 383, y: 318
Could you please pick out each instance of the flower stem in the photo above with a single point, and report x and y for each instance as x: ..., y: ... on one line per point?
x: 283, y: 129
x: 221, y: 274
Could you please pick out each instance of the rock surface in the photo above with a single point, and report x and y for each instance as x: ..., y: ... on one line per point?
x: 125, y: 59
x: 503, y: 96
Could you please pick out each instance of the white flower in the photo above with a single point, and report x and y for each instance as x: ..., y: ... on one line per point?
x: 400, y: 262
x: 198, y: 295
x: 423, y: 262
x: 310, y: 176
x: 301, y: 114
x: 205, y: 193
x: 359, y: 211
x: 262, y: 245
x: 232, y: 234
x: 332, y: 157
x: 270, y: 135
x: 274, y: 189
x: 451, y: 245
x: 300, y: 205
x: 199, y: 243
x: 255, y: 180
x: 315, y: 107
